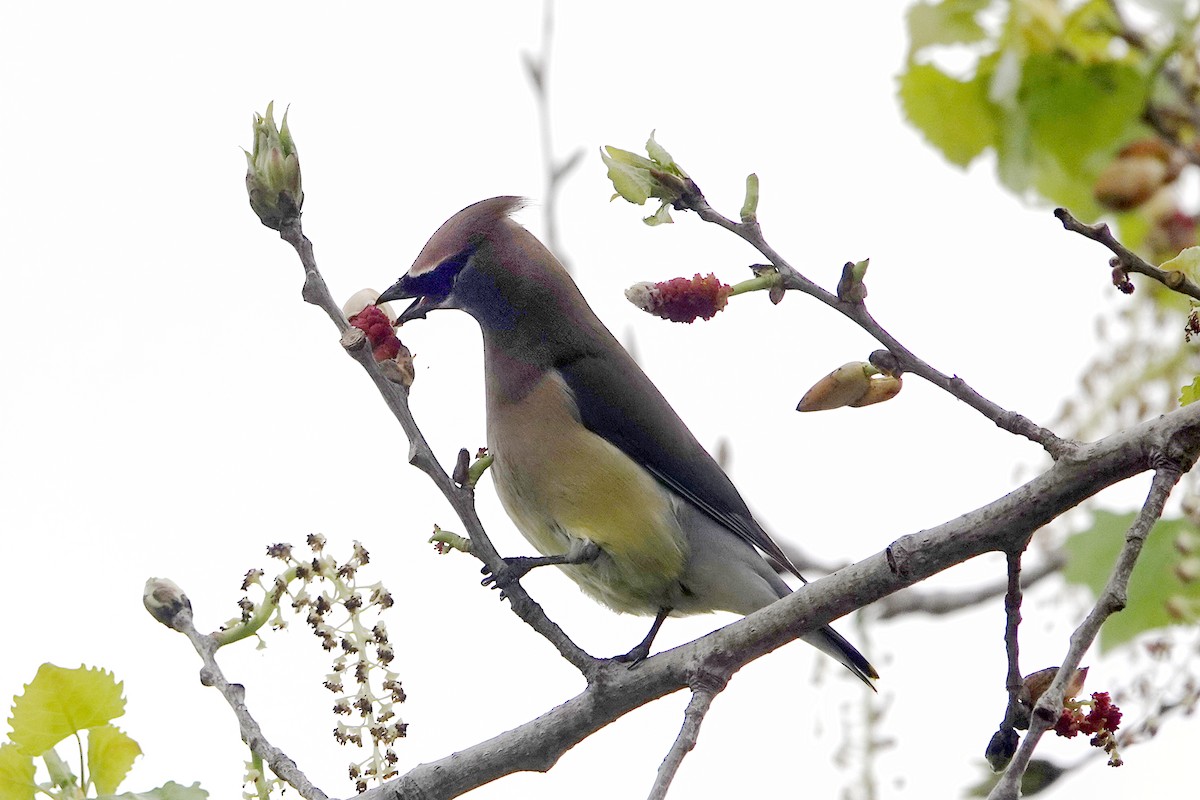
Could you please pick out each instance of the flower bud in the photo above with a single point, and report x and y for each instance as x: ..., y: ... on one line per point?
x: 856, y: 384
x: 165, y: 600
x: 273, y: 172
x: 842, y: 387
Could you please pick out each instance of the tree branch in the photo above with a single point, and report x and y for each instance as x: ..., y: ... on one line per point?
x: 556, y: 170
x: 693, y: 716
x: 1127, y: 259
x: 913, y: 601
x: 179, y: 618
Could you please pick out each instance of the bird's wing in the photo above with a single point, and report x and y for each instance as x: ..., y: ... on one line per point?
x: 619, y: 403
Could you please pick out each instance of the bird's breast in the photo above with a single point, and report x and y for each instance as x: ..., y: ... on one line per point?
x: 558, y: 481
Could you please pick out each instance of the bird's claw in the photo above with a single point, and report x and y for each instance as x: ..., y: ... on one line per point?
x: 634, y: 657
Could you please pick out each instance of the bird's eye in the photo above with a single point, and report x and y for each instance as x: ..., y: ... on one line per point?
x: 439, y: 281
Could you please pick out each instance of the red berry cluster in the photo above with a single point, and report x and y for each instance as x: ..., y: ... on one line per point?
x: 378, y: 328
x: 1100, y: 722
x: 684, y: 300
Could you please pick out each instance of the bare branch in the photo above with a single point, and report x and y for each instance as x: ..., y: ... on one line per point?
x: 538, y: 70
x: 235, y: 695
x: 1012, y: 612
x: 1127, y: 259
x: 1111, y: 600
x: 693, y: 716
x: 856, y: 311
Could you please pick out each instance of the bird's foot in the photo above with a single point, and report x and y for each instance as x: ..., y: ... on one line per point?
x: 517, y: 567
x: 635, y: 656
x: 642, y: 651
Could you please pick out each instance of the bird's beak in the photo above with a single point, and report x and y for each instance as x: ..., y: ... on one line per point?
x: 401, y: 290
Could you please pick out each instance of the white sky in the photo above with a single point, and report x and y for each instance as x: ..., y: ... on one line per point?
x: 171, y: 406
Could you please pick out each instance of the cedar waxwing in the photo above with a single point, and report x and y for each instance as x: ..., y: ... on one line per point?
x: 592, y: 464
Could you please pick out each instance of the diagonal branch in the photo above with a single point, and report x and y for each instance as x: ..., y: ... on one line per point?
x: 175, y: 611
x: 856, y: 311
x: 420, y: 455
x: 1127, y: 259
x: 685, y: 742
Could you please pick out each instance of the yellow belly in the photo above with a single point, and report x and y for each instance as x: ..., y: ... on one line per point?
x: 559, y: 482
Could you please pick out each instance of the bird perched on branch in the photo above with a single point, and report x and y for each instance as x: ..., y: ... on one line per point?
x: 591, y: 462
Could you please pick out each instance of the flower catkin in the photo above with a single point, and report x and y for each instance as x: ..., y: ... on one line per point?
x: 681, y: 299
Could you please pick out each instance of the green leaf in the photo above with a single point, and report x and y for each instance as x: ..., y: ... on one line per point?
x: 1090, y: 558
x: 1088, y: 30
x: 110, y: 755
x: 955, y: 116
x: 948, y: 22
x: 168, y: 791
x: 1080, y: 114
x: 1190, y: 393
x: 59, y: 702
x: 658, y: 154
x: 1187, y: 262
x: 16, y: 774
x: 629, y: 176
x: 660, y: 217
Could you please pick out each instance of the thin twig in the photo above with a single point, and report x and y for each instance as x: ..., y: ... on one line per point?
x: 1012, y: 624
x: 685, y: 742
x: 1127, y: 259
x: 556, y: 170
x: 857, y: 312
x: 1111, y: 600
x: 235, y: 695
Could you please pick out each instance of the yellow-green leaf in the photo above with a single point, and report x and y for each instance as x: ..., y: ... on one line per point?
x: 16, y: 774
x: 1153, y: 585
x: 168, y: 791
x: 110, y: 755
x: 954, y: 115
x: 59, y: 702
x: 658, y: 154
x: 1190, y: 393
x: 631, y: 180
x: 947, y: 22
x: 1187, y: 262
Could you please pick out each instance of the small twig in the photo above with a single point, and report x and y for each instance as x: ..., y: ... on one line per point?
x: 913, y: 601
x: 857, y: 312
x: 685, y: 742
x: 1127, y: 259
x: 1111, y: 600
x: 235, y: 695
x: 1012, y: 614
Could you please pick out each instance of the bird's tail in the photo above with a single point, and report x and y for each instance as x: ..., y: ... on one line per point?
x: 832, y: 643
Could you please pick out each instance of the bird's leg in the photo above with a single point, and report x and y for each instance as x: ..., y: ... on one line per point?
x: 581, y: 551
x: 639, y: 653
